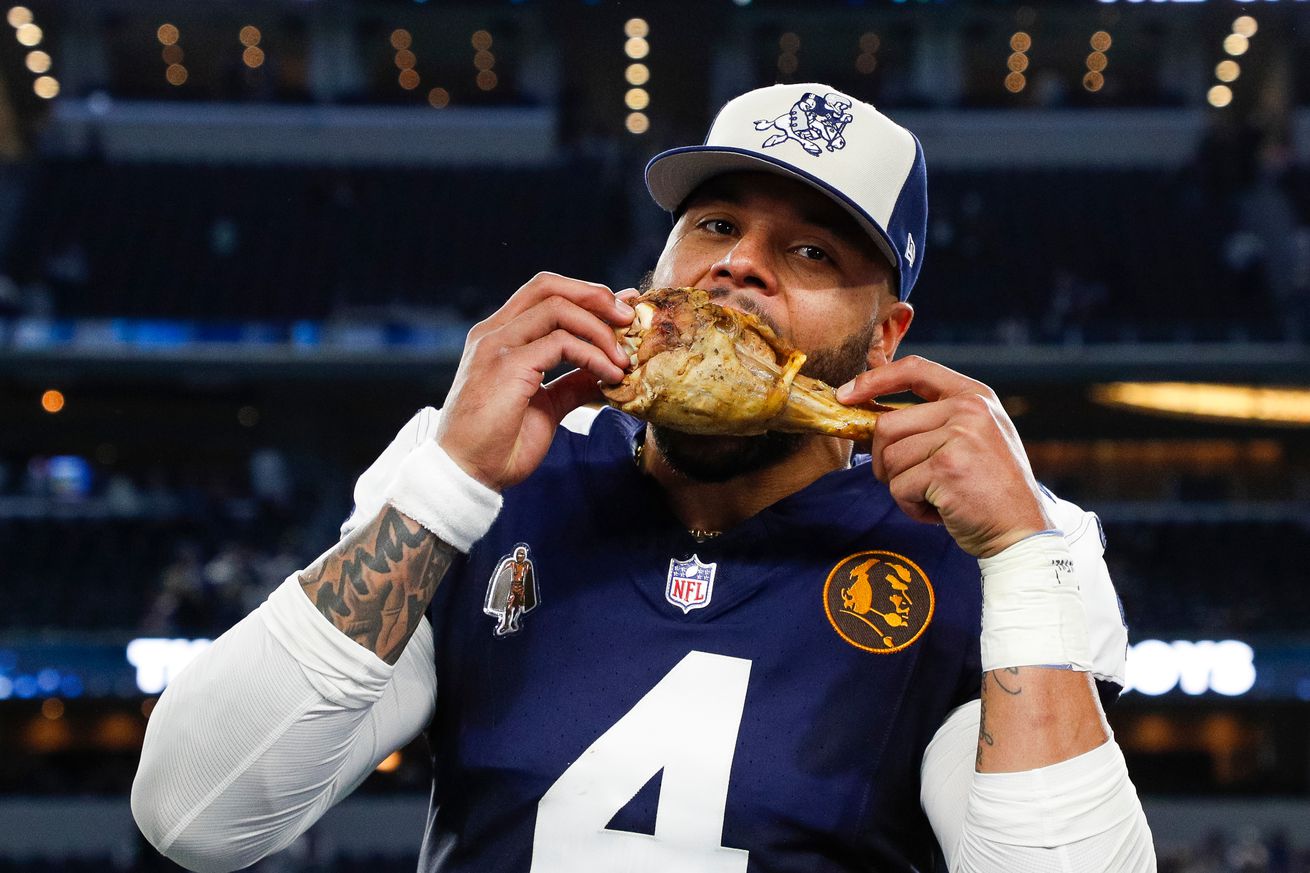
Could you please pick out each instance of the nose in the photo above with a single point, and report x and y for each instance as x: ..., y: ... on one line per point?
x: 747, y: 264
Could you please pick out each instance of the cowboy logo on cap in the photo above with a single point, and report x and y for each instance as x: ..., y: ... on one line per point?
x: 811, y: 118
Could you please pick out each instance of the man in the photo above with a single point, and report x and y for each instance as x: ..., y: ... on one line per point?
x: 700, y: 686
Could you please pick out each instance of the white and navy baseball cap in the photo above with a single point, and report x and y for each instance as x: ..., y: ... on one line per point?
x: 843, y: 147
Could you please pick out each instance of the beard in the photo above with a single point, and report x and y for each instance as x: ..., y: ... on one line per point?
x: 720, y: 459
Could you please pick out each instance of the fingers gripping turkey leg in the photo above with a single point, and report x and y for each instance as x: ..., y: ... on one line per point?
x: 702, y: 368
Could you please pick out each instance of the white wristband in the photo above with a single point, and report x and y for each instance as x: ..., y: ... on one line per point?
x: 433, y: 490
x: 1032, y: 612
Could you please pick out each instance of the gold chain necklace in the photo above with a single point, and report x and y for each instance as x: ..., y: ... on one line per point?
x: 699, y: 534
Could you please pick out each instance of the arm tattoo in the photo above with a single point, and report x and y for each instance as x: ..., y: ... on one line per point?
x: 376, y: 585
x: 1007, y: 680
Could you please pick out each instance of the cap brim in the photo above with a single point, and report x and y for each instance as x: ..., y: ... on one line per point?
x: 671, y: 176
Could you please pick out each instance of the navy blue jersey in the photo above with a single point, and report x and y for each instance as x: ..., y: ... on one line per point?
x: 614, y: 695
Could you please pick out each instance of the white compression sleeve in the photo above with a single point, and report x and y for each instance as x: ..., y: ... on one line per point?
x: 281, y: 718
x: 1078, y: 816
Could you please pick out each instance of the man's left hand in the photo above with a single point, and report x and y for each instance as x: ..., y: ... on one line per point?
x: 956, y: 459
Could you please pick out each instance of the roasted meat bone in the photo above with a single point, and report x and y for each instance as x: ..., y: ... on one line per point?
x: 702, y: 368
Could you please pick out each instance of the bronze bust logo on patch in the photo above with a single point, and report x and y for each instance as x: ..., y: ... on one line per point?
x: 880, y: 602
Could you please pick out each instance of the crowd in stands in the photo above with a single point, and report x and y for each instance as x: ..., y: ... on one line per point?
x: 190, y: 551
x: 165, y: 553
x: 1218, y: 577
x: 284, y: 243
x: 1110, y: 259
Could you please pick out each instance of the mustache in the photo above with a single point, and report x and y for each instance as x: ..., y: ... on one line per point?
x: 720, y: 294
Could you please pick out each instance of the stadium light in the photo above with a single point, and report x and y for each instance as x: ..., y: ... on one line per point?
x: 253, y: 55
x: 1017, y: 62
x: 169, y: 35
x: 789, y: 45
x: 1236, y: 44
x: 1250, y: 403
x: 637, y: 98
x: 1226, y: 71
x: 1097, y: 61
x: 636, y: 74
x: 52, y: 401
x: 636, y: 48
x: 37, y: 61
x: 484, y: 61
x: 637, y: 123
x: 867, y: 60
x: 29, y: 34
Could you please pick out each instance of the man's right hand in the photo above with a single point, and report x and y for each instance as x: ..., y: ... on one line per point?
x: 498, y: 420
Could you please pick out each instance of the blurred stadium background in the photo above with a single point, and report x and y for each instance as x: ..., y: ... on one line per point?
x: 240, y: 242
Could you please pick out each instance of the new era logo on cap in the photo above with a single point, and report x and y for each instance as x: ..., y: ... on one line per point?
x: 844, y: 147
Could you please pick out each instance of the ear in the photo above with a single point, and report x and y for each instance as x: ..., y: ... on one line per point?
x: 894, y: 319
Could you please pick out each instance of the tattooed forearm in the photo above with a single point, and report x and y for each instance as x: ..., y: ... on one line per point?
x: 377, y: 584
x: 1007, y: 681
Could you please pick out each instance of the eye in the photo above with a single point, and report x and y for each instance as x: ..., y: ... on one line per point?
x: 813, y: 253
x: 719, y: 226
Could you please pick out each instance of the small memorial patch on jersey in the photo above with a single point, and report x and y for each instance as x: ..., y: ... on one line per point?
x: 690, y: 584
x: 511, y: 591
x: 878, y: 601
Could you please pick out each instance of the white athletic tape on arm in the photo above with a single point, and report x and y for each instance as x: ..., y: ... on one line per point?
x: 433, y: 490
x: 1032, y: 613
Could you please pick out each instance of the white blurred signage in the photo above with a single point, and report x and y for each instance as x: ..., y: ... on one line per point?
x: 1225, y: 667
x: 157, y: 661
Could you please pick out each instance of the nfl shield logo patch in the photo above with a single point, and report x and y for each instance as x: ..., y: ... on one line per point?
x: 690, y: 585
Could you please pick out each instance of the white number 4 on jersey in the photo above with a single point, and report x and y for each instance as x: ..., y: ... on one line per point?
x: 686, y: 726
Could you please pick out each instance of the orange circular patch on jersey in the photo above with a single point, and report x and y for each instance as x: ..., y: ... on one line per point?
x: 880, y: 602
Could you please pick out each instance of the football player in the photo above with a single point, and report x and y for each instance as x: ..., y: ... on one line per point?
x: 739, y: 653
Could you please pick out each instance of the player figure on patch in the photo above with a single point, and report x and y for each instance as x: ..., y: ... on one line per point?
x: 857, y: 598
x: 511, y: 591
x: 811, y: 118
